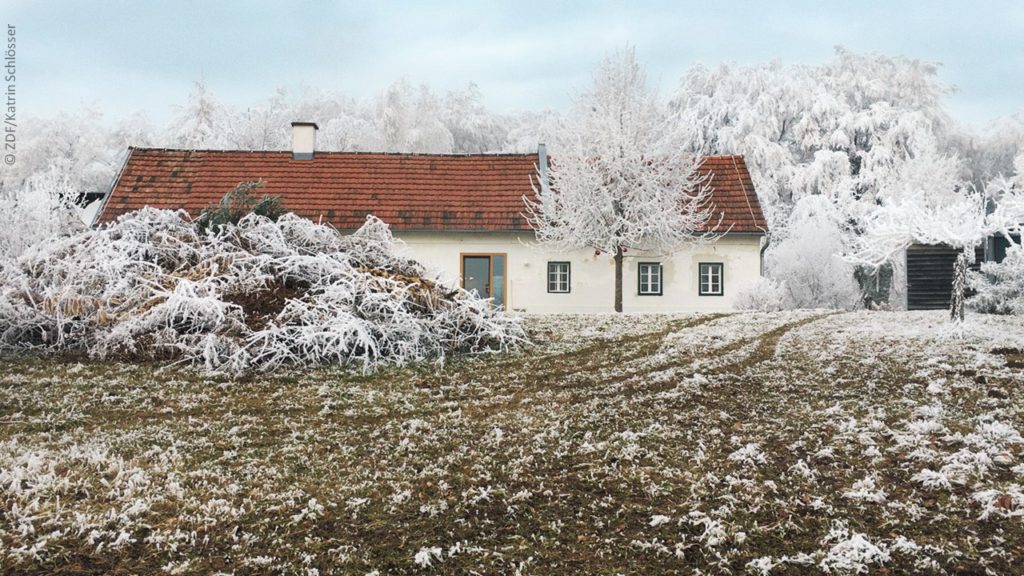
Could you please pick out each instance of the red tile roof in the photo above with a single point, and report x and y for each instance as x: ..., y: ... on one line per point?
x: 408, y: 191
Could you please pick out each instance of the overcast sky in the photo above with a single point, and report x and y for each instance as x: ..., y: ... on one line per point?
x: 125, y: 56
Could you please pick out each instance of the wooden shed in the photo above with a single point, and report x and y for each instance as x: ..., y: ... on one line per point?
x: 930, y: 275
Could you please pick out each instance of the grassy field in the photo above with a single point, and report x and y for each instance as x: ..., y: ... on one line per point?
x: 781, y: 443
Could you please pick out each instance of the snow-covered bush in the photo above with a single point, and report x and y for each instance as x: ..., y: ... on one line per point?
x: 807, y: 255
x: 36, y: 209
x: 999, y: 287
x: 256, y: 295
x: 764, y: 295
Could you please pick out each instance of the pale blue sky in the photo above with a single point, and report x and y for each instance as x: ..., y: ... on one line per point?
x: 143, y: 56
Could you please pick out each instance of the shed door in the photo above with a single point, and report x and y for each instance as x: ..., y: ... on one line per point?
x: 929, y: 276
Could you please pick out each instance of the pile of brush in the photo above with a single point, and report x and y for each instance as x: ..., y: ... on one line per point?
x: 255, y: 295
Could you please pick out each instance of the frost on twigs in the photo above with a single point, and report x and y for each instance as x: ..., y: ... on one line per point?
x: 999, y: 286
x: 763, y: 295
x: 253, y: 296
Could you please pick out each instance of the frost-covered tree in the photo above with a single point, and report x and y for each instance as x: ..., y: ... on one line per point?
x: 795, y: 123
x: 621, y: 180
x: 74, y: 145
x: 927, y: 203
x: 346, y: 124
x: 59, y: 159
x: 133, y: 130
x: 1005, y: 196
x: 200, y: 123
x: 996, y: 151
x: 473, y: 127
x: 40, y: 208
x: 999, y: 286
x: 841, y: 130
x: 409, y: 120
x: 261, y: 127
x: 402, y: 118
x: 530, y: 128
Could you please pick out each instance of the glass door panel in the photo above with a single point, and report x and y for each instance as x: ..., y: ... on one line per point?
x: 476, y: 275
x: 498, y: 279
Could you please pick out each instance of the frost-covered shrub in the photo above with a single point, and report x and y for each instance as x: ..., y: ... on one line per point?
x: 764, y: 295
x: 256, y: 295
x: 34, y: 210
x: 807, y: 256
x: 999, y: 287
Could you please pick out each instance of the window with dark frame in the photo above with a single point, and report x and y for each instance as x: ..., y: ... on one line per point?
x: 710, y: 280
x: 559, y: 274
x: 649, y: 278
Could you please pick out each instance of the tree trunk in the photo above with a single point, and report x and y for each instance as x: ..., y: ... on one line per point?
x: 618, y: 279
x: 956, y: 301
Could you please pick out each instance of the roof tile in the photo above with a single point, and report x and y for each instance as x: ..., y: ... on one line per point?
x: 408, y: 191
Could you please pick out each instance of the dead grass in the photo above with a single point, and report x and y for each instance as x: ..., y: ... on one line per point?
x: 747, y: 432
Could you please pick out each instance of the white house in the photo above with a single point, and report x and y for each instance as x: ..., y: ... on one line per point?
x: 463, y: 215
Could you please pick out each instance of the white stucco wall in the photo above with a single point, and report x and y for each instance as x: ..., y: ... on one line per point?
x: 593, y: 277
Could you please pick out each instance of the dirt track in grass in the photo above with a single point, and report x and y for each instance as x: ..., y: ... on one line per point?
x: 780, y: 443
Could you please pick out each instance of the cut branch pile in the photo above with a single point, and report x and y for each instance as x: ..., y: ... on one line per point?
x: 253, y: 296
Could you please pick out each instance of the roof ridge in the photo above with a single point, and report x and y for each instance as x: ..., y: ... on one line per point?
x: 337, y: 152
x: 376, y: 153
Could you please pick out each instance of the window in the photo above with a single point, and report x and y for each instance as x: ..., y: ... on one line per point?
x: 710, y: 282
x: 558, y: 277
x: 650, y: 278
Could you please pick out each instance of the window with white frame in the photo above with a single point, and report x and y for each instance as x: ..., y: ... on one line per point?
x: 711, y: 279
x: 650, y: 278
x: 558, y: 277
